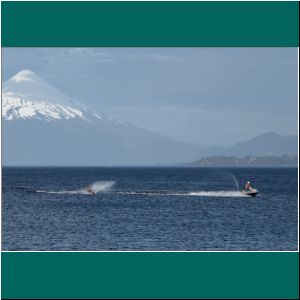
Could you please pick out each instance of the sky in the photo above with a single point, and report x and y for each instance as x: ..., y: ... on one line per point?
x: 204, y: 96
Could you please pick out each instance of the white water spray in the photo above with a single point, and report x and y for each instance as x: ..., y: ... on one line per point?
x: 101, y: 186
x: 236, y: 182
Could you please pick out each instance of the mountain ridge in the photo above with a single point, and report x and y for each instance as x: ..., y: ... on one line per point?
x: 43, y: 126
x: 26, y: 95
x: 40, y: 129
x: 266, y: 144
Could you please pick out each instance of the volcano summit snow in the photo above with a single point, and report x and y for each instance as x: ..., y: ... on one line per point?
x: 43, y: 126
x: 28, y: 96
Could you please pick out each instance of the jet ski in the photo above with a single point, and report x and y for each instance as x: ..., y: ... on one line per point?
x: 90, y: 191
x: 250, y: 192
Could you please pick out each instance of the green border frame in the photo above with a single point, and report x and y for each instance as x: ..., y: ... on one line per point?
x: 196, y: 275
x: 150, y: 24
x: 150, y: 275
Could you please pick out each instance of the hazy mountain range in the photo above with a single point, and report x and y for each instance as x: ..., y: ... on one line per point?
x: 43, y: 126
x: 268, y: 144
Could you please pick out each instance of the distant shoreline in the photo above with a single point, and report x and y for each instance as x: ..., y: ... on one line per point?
x: 248, y: 161
x: 158, y: 167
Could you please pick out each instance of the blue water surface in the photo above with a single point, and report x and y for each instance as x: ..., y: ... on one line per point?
x: 146, y: 209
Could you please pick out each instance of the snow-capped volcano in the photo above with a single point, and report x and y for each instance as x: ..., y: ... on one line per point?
x: 43, y: 126
x: 27, y: 96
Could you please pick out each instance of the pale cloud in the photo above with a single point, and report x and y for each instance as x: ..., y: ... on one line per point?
x: 94, y: 53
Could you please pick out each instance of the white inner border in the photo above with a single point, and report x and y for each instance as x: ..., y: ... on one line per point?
x: 126, y: 250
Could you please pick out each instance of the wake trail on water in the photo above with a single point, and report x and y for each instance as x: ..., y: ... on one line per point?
x: 96, y: 187
x: 106, y: 187
x: 195, y: 194
x: 218, y: 194
x: 63, y: 192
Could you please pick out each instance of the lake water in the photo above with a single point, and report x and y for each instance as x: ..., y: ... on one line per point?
x: 141, y: 209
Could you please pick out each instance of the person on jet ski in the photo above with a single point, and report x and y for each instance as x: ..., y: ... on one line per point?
x: 89, y: 190
x: 248, y: 186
